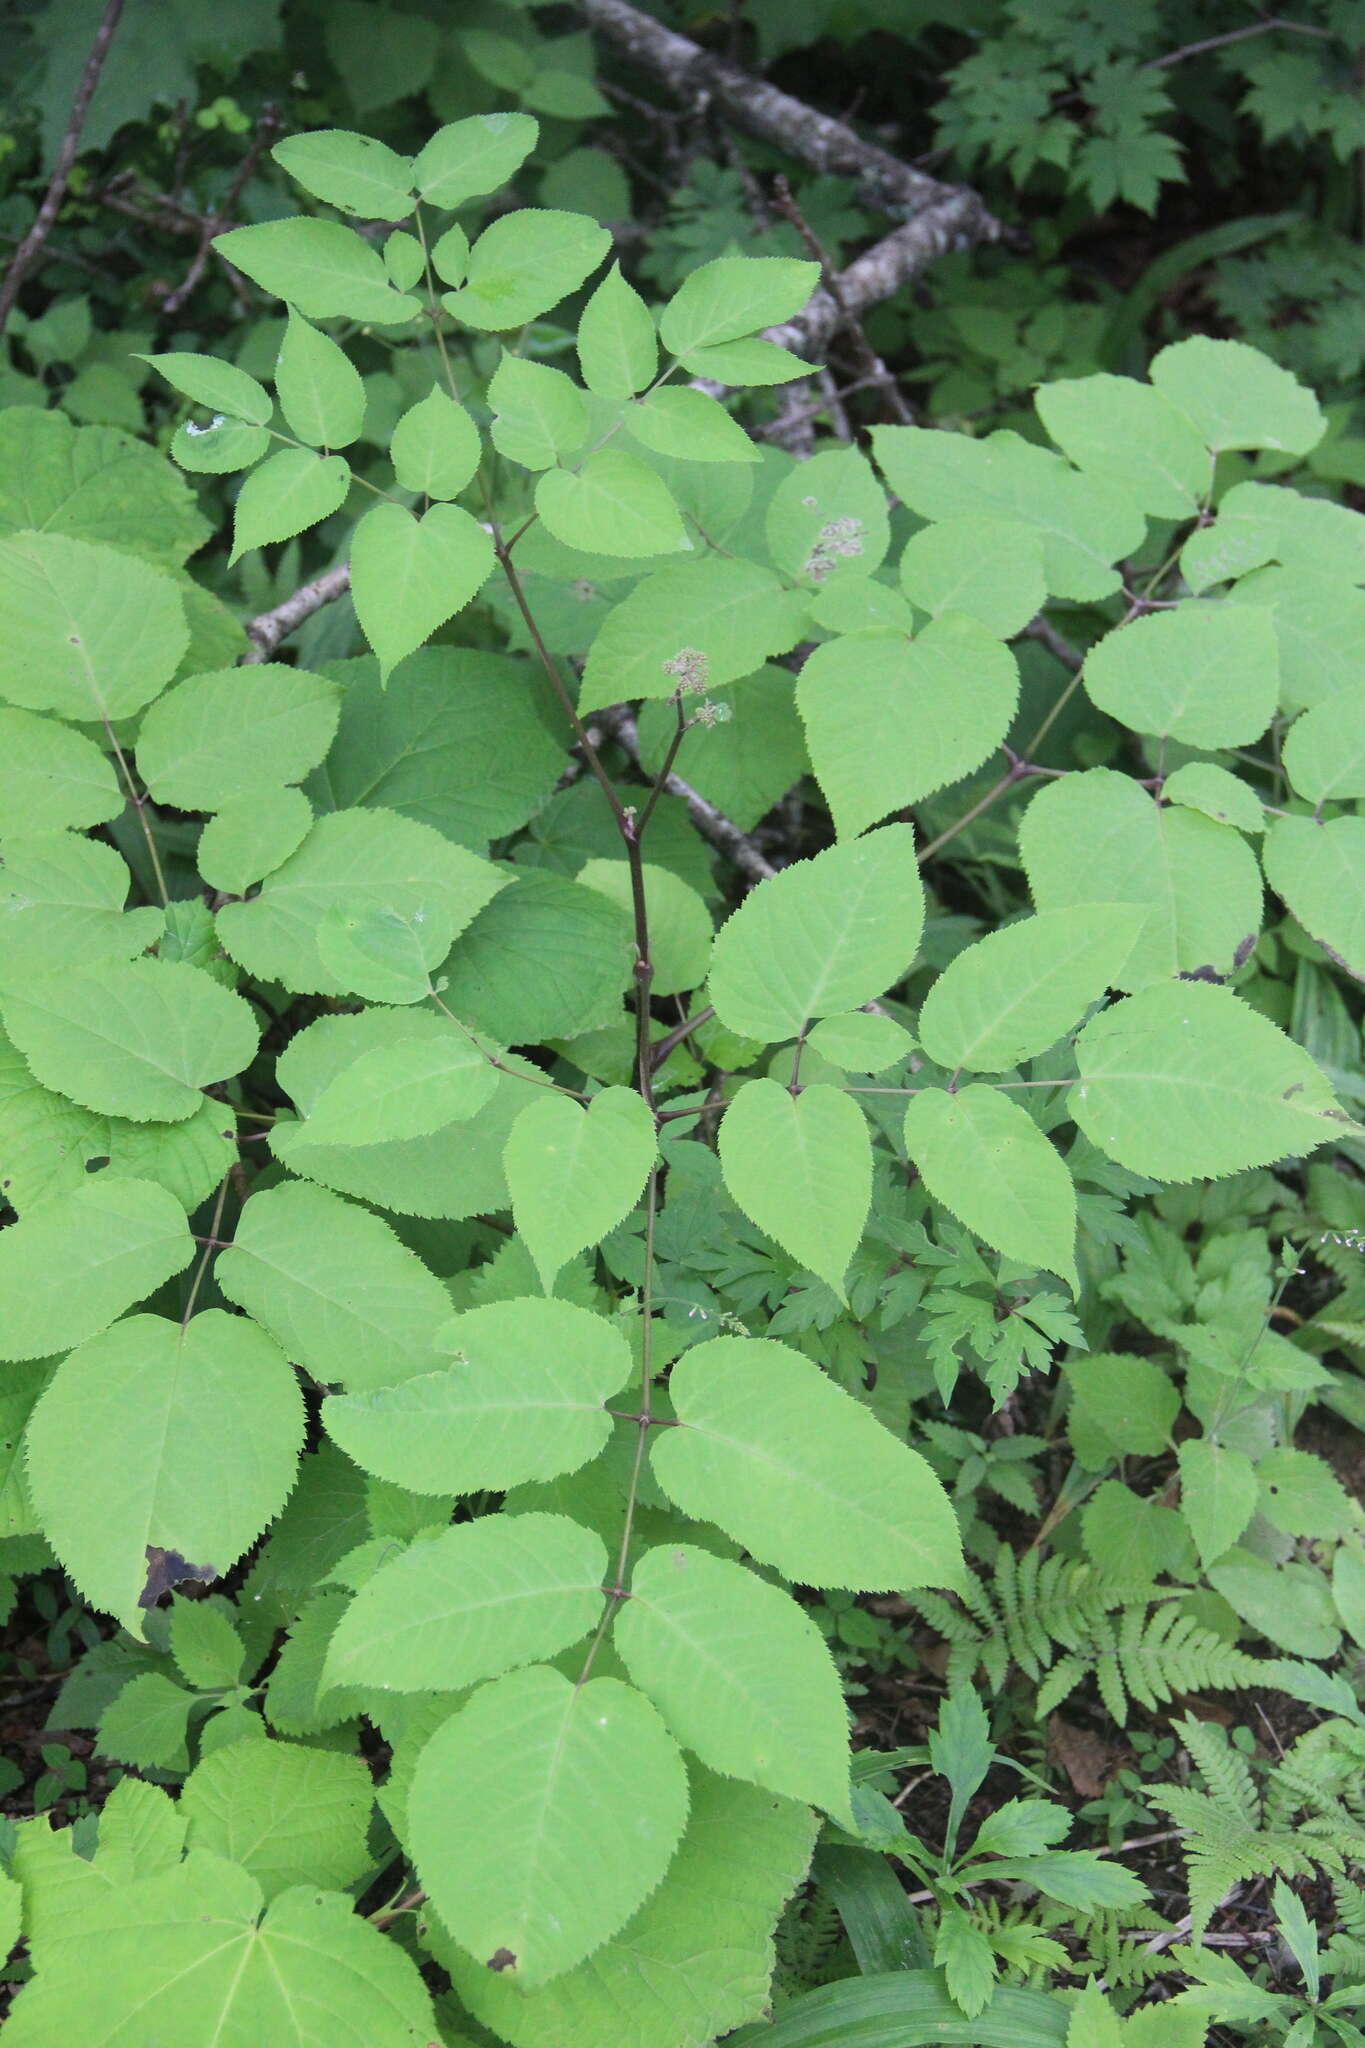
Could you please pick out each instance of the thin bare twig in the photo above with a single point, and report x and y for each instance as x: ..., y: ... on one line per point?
x: 66, y: 157
x: 865, y: 357
x: 712, y: 823
x: 223, y: 216
x: 1269, y: 25
x: 266, y: 631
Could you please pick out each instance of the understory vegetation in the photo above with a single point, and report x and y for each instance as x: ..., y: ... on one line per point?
x: 682, y: 735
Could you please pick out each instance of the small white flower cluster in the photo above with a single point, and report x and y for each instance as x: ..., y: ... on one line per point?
x: 691, y: 670
x: 837, y: 538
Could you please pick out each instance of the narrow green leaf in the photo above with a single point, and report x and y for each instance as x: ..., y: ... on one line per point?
x: 351, y: 172
x: 1014, y: 993
x: 984, y: 1158
x: 408, y: 576
x: 220, y: 386
x: 615, y: 504
x: 800, y: 1167
x: 689, y: 424
x: 328, y: 271
x: 320, y: 390
x: 801, y: 1474
x: 435, y: 447
x: 574, y: 1173
x: 910, y: 2009
x: 617, y: 348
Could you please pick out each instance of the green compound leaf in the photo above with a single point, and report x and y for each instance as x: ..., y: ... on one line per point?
x: 800, y: 1167
x: 1236, y: 397
x: 733, y: 297
x: 1205, y: 673
x: 539, y: 414
x: 827, y: 519
x: 475, y: 1601
x: 574, y: 1173
x: 220, y: 386
x: 521, y: 1400
x: 356, y: 862
x: 617, y: 349
x: 740, y: 1673
x: 1184, y: 1081
x: 153, y: 1434
x: 334, y: 1287
x: 1218, y: 1494
x: 824, y: 935
x: 888, y: 721
x: 87, y: 632
x: 134, y: 1038
x: 408, y: 576
x: 435, y: 447
x: 54, y: 779
x: 1324, y: 751
x: 694, y: 625
x: 328, y: 271
x: 531, y: 1764
x: 614, y: 503
x: 401, y: 1091
x: 689, y: 424
x: 1315, y: 866
x: 189, y: 1955
x: 320, y: 390
x: 525, y: 263
x: 663, y: 1980
x: 1017, y: 991
x: 83, y: 1257
x: 289, y: 1815
x: 467, y: 158
x: 1198, y: 882
x: 206, y: 740
x: 1087, y: 523
x: 800, y: 1473
x: 1132, y: 434
x: 982, y: 1156
x: 680, y: 930
x: 989, y: 569
x: 61, y: 908
x: 251, y: 836
x: 351, y: 172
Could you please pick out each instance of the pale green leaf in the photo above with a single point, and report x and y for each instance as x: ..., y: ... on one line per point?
x: 888, y: 721
x: 217, y: 449
x: 1236, y: 397
x: 320, y: 390
x: 189, y: 1955
x: 1290, y: 1604
x: 95, y: 484
x: 861, y: 1042
x: 1320, y: 625
x: 1133, y: 435
x: 153, y: 1434
x: 864, y: 604
x: 521, y: 1400
x: 473, y: 1602
x: 251, y: 836
x: 81, y: 1258
x: 575, y: 1173
x: 435, y: 447
x: 617, y: 348
x: 408, y: 575
x: 663, y: 1982
x: 1301, y: 1495
x: 354, y: 173
x: 384, y: 955
x: 547, y: 958
x: 1315, y: 866
x: 289, y: 1815
x: 357, y: 861
x: 207, y: 1649
x: 693, y: 624
x: 539, y: 414
x: 824, y: 935
x: 523, y: 264
x: 680, y: 929
x: 467, y: 158
x: 61, y: 908
x: 1205, y: 673
x: 745, y: 362
x: 1324, y: 751
x: 745, y: 762
x: 800, y: 1167
x: 328, y: 271
x: 827, y: 519
x: 334, y: 1287
x: 147, y: 1724
x: 1015, y: 992
x: 54, y: 778
x: 800, y: 1473
x: 1220, y: 795
x: 449, y: 255
x: 134, y: 1038
x: 991, y: 569
x: 207, y: 739
x: 689, y: 424
x: 614, y: 503
x: 87, y: 632
x: 401, y: 1091
x: 1121, y: 1406
x: 1184, y: 1081
x: 1199, y: 882
x: 404, y: 261
x: 733, y: 297
x: 1259, y: 523
x: 531, y: 1765
x: 983, y: 1157
x: 740, y: 1673
x: 219, y: 386
x: 1087, y: 523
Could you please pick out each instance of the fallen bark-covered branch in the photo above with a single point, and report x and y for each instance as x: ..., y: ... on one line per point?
x: 723, y: 833
x: 268, y: 629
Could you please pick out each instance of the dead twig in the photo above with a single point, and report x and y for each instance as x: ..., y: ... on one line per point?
x: 872, y: 370
x: 268, y: 629
x: 224, y: 215
x: 66, y: 157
